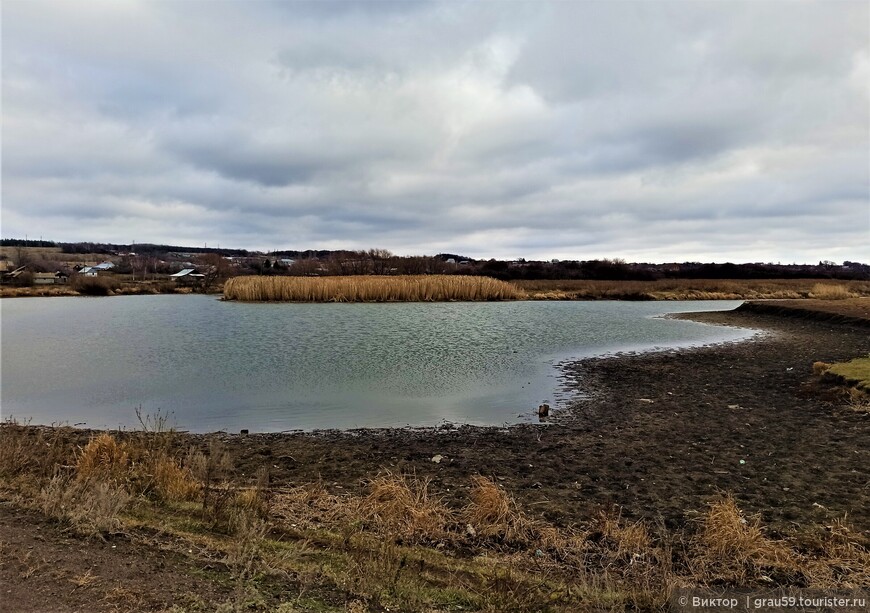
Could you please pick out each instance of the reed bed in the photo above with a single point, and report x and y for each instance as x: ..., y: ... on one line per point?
x: 402, y: 288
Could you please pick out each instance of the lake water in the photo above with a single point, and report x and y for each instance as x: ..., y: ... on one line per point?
x: 269, y: 367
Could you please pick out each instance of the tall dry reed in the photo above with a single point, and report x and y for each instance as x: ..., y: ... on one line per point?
x: 402, y: 288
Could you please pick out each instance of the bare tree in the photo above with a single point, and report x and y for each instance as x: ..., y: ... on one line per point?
x: 215, y: 269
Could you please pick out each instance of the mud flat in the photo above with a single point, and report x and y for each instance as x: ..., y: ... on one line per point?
x: 660, y: 434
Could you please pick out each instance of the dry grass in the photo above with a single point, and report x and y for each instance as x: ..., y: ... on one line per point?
x: 172, y: 482
x: 33, y: 453
x: 733, y: 549
x: 103, y: 457
x: 85, y: 580
x: 404, y: 288
x: 402, y: 505
x: 399, y: 547
x: 839, y: 560
x: 820, y: 368
x: 830, y: 291
x: 92, y: 507
x: 492, y: 512
x: 8, y: 291
x: 852, y: 379
x: 854, y: 372
x: 684, y: 289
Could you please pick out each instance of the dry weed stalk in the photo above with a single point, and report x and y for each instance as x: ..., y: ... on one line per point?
x: 33, y: 452
x: 92, y: 507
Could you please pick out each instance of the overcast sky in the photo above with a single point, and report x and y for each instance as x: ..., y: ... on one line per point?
x: 651, y: 131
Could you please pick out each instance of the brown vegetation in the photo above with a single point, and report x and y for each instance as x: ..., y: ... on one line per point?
x: 407, y: 288
x: 399, y: 545
x: 831, y: 291
x: 691, y: 289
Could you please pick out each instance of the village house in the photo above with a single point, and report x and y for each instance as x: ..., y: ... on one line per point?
x: 50, y: 278
x: 14, y: 275
x: 188, y: 276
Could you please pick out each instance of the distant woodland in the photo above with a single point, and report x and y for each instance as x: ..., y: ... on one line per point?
x: 382, y: 262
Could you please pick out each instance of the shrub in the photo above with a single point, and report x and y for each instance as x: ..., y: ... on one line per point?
x: 93, y: 286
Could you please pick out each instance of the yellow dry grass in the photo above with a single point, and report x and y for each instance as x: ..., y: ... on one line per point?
x: 628, y: 539
x: 403, y: 288
x: 830, y: 291
x: 103, y: 456
x: 689, y: 289
x: 402, y: 504
x: 820, y: 368
x: 172, y: 482
x: 492, y: 512
x: 138, y: 468
x: 839, y: 560
x: 734, y: 549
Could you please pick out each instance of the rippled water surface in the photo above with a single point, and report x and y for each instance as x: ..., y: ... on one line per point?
x: 271, y: 367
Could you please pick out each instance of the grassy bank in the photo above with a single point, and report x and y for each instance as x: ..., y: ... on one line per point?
x: 406, y: 288
x: 398, y: 545
x: 851, y: 377
x: 693, y: 289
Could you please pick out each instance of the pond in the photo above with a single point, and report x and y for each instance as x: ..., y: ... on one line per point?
x: 270, y: 367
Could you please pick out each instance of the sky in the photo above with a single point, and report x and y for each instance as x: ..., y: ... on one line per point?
x: 649, y: 131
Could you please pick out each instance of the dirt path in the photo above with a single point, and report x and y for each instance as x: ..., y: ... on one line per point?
x: 44, y: 569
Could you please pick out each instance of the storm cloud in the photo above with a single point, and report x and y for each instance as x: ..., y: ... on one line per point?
x: 651, y: 131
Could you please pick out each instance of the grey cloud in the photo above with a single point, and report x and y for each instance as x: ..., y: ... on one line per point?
x: 731, y: 131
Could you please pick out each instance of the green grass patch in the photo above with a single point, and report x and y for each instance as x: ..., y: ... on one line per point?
x: 854, y: 372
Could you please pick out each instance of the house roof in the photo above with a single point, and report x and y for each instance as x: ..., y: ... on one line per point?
x: 187, y: 272
x: 16, y: 272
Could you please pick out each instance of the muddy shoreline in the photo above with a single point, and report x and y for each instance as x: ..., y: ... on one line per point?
x: 659, y: 435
